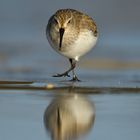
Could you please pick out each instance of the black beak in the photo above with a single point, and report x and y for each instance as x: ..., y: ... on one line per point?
x: 61, y: 31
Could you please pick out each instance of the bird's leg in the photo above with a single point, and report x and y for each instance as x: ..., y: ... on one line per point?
x: 73, y: 64
x: 67, y: 72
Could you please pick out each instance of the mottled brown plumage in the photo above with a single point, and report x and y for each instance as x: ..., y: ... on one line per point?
x: 83, y: 21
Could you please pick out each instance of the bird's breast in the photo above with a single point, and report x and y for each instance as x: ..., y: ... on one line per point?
x: 81, y: 45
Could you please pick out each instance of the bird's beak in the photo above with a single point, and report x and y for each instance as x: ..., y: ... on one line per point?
x: 61, y: 31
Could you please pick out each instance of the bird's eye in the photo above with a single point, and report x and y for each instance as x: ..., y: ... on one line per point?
x: 69, y: 21
x: 55, y: 21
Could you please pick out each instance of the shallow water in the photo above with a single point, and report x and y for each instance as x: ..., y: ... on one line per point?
x: 40, y: 110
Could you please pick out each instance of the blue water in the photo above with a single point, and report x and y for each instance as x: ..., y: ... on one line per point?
x: 22, y: 112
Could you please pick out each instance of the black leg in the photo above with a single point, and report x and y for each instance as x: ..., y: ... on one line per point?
x: 73, y: 64
x: 67, y: 72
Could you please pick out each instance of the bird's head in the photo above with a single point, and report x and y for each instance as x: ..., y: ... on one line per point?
x: 62, y: 23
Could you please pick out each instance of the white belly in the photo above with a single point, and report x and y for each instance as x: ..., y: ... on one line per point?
x: 85, y: 42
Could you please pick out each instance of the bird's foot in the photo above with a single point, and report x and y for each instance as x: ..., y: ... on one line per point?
x: 75, y: 79
x: 65, y: 74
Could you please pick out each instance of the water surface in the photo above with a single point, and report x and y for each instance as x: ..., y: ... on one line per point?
x: 111, y: 113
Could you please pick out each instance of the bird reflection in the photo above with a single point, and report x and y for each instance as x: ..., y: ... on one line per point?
x: 68, y: 117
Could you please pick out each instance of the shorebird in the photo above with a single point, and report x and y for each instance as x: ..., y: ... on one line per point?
x: 72, y: 34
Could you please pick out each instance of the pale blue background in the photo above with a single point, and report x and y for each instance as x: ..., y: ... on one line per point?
x: 23, y: 22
